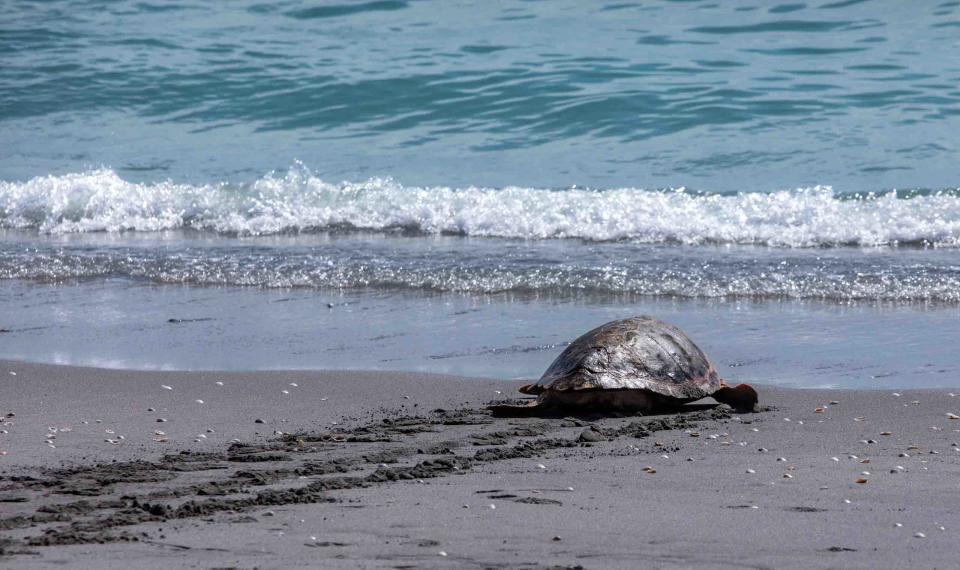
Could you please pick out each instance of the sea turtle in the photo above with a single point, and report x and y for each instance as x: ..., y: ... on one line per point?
x: 640, y: 364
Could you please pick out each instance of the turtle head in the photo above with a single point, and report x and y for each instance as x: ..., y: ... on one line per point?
x: 740, y: 398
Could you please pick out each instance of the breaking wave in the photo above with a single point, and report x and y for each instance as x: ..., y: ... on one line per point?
x: 300, y: 202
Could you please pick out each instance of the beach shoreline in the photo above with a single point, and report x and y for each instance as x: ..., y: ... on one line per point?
x: 381, y: 469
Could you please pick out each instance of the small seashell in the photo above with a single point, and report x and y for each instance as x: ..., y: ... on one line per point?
x: 751, y: 471
x: 442, y: 553
x: 885, y: 433
x: 161, y: 420
x: 953, y: 417
x: 898, y: 525
x: 258, y: 421
x: 165, y: 387
x: 151, y: 409
x: 218, y: 383
x: 835, y: 458
x: 920, y: 535
x: 541, y: 466
x: 834, y: 402
x: 294, y: 384
x: 781, y: 459
x: 694, y: 434
x: 818, y: 410
x: 903, y: 455
x: 864, y: 461
x: 285, y: 391
x: 864, y: 473
x: 859, y: 419
x: 787, y: 476
x: 198, y: 401
x: 860, y: 481
x: 846, y: 501
x: 897, y: 394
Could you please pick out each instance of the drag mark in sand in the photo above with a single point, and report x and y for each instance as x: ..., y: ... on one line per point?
x: 105, y: 503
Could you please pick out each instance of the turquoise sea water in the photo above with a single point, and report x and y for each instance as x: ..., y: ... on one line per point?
x: 715, y: 96
x: 549, y: 158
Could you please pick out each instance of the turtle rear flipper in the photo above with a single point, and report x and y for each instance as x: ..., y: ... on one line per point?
x: 526, y: 409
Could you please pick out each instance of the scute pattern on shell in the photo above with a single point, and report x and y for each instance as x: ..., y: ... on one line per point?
x: 637, y: 353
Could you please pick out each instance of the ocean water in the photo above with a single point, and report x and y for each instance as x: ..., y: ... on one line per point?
x: 481, y: 180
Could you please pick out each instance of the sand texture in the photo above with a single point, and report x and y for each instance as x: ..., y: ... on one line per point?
x: 384, y: 470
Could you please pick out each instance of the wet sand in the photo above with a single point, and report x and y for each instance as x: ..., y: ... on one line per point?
x: 400, y: 470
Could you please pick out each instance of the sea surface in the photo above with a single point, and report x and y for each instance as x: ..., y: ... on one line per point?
x: 464, y: 187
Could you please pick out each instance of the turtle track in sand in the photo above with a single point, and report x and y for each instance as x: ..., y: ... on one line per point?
x: 104, y: 502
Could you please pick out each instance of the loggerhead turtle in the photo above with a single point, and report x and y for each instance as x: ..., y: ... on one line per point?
x: 640, y: 364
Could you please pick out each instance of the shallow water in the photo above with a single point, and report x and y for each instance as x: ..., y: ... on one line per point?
x: 124, y: 324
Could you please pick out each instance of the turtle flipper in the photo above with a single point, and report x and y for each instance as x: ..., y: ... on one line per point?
x: 741, y: 398
x: 532, y: 408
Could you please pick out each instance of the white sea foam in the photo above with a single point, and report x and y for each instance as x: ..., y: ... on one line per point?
x: 100, y: 200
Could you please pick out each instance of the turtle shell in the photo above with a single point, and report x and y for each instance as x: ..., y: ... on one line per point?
x: 639, y: 353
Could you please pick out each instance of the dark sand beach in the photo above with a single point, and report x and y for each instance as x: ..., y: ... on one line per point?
x: 400, y: 470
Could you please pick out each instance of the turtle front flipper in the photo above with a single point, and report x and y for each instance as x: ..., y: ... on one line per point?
x: 741, y: 398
